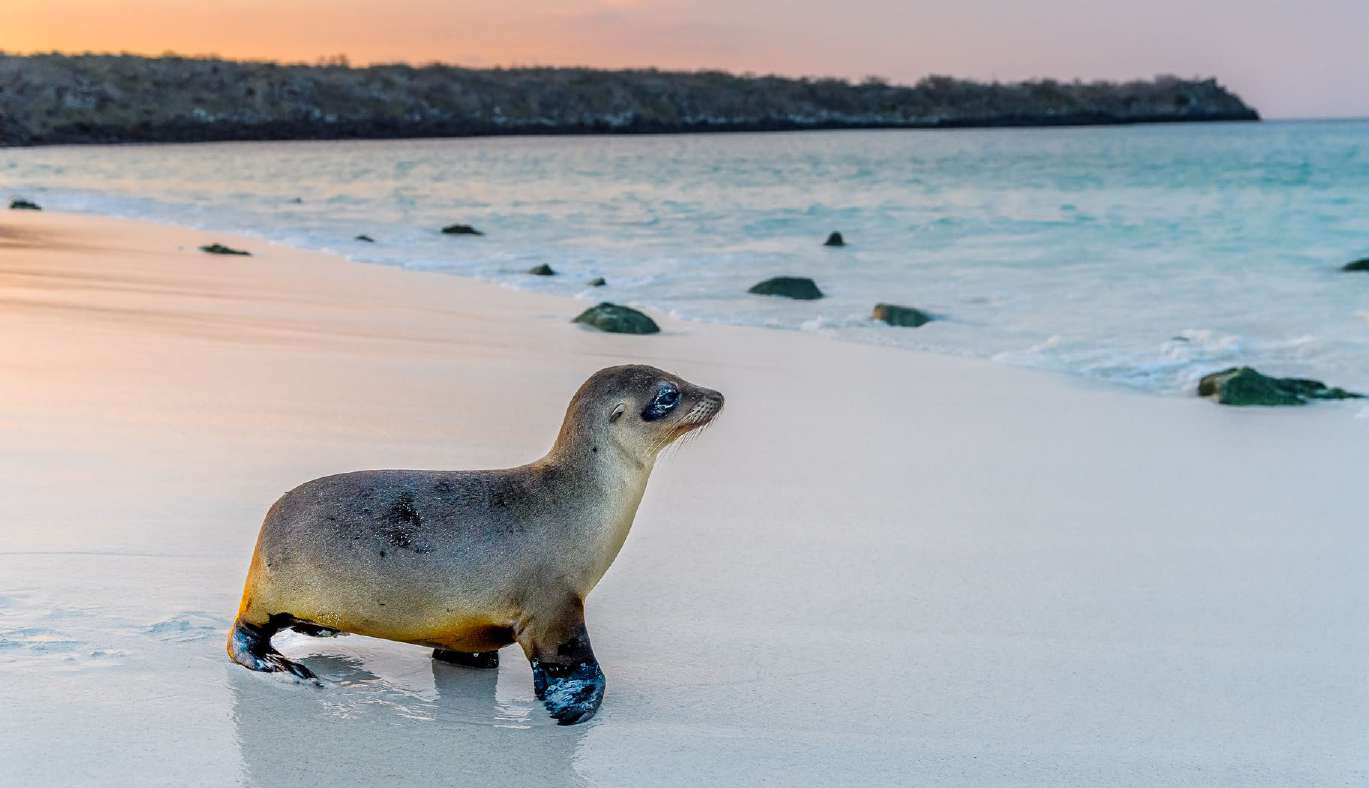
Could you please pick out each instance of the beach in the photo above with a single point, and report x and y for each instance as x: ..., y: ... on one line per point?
x: 1143, y: 256
x: 880, y: 566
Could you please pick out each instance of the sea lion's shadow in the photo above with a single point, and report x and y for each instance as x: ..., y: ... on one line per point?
x: 365, y: 726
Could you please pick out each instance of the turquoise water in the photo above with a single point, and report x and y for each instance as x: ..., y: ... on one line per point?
x: 1142, y: 256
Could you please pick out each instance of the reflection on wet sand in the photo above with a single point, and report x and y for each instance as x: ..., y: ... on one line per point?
x: 388, y: 718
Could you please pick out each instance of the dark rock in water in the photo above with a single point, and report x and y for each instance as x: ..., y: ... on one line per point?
x: 896, y: 315
x: 618, y: 320
x: 834, y: 239
x: 1244, y: 386
x: 20, y: 204
x: 798, y: 287
x: 542, y: 270
x: 221, y: 249
x: 368, y: 239
x: 1358, y: 265
x: 460, y: 229
x: 597, y: 281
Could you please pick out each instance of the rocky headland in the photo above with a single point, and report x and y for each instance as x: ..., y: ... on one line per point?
x: 63, y: 99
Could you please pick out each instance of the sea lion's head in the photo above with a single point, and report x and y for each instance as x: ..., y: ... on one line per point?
x: 637, y: 410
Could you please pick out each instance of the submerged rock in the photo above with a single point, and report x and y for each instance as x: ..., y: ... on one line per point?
x: 221, y: 249
x: 1358, y: 265
x: 542, y: 270
x: 597, y: 281
x: 835, y: 239
x: 1244, y: 386
x: 366, y: 238
x: 20, y: 204
x: 617, y: 320
x: 896, y: 315
x: 798, y: 287
x: 460, y: 229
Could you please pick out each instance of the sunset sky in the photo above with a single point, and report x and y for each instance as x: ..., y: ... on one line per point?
x: 1287, y: 59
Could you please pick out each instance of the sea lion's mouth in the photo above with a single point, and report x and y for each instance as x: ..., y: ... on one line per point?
x: 705, y: 410
x: 702, y: 413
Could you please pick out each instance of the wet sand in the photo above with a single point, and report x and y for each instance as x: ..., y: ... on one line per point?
x: 879, y: 567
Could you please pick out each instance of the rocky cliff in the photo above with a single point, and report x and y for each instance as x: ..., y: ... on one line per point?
x: 47, y: 99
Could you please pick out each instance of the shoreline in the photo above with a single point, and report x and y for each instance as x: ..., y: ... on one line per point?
x: 194, y: 134
x: 655, y: 310
x: 879, y: 564
x: 1135, y: 274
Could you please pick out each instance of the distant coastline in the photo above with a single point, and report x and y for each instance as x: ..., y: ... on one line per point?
x: 73, y: 99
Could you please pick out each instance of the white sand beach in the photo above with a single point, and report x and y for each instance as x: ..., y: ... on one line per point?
x: 878, y: 567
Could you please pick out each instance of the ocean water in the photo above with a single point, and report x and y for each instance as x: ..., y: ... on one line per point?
x: 1140, y: 256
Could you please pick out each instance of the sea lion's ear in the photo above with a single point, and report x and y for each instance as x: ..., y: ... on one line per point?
x: 617, y: 412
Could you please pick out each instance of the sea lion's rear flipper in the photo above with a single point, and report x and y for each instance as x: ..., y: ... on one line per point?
x: 249, y: 645
x: 565, y: 674
x: 479, y: 659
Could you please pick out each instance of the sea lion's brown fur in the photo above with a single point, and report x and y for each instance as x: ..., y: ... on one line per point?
x: 469, y: 561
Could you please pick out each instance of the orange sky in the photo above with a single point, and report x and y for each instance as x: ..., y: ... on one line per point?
x: 1298, y: 59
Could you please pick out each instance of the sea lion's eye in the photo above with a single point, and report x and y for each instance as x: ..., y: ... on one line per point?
x: 667, y: 397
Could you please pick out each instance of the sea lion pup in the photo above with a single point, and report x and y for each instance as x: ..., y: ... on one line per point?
x: 468, y: 561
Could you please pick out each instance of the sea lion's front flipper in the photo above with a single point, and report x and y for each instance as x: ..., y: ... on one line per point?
x: 565, y: 674
x: 571, y: 693
x: 479, y: 659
